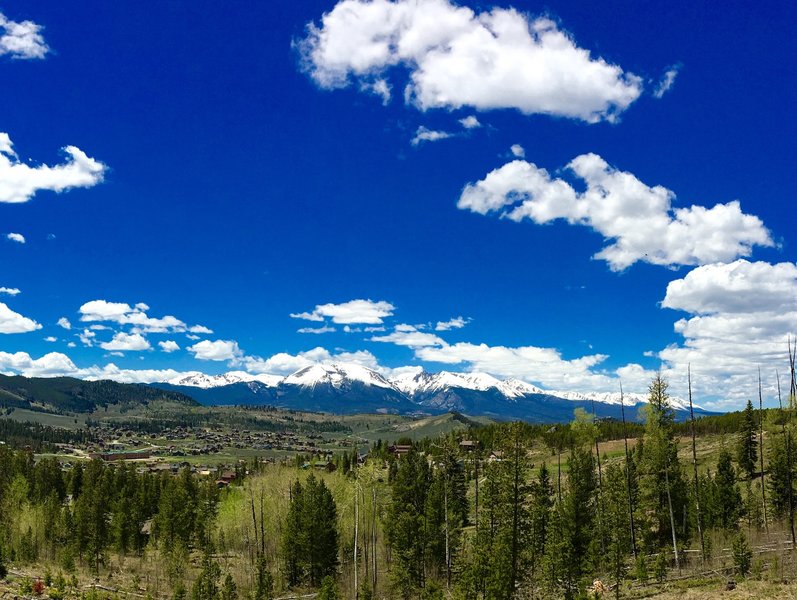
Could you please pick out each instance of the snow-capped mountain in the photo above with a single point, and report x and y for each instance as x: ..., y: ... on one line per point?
x: 201, y: 380
x: 614, y: 398
x: 336, y: 375
x: 351, y: 388
x: 414, y: 384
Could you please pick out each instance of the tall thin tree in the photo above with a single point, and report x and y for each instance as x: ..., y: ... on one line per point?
x: 628, y: 476
x: 694, y: 466
x: 787, y: 438
x: 761, y: 451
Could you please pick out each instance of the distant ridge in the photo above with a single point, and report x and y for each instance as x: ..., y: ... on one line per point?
x: 349, y: 388
x: 67, y: 394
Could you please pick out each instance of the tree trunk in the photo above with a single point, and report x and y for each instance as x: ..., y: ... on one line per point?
x: 694, y: 466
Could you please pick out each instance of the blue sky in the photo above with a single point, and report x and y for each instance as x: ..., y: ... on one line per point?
x: 233, y: 165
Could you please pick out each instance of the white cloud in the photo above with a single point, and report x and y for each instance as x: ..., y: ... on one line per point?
x: 470, y: 122
x: 169, y: 346
x: 49, y: 365
x: 667, y: 81
x: 379, y: 87
x: 319, y: 330
x: 491, y: 60
x: 543, y: 366
x: 21, y: 39
x: 19, y: 182
x: 87, y: 337
x: 740, y: 316
x: 64, y: 322
x: 136, y: 316
x: 408, y: 335
x: 50, y: 339
x: 352, y: 312
x: 9, y: 291
x: 200, y: 329
x: 191, y: 336
x: 518, y: 151
x: 455, y: 323
x: 424, y: 134
x: 638, y: 221
x: 16, y: 237
x: 71, y: 345
x: 216, y: 350
x: 12, y: 322
x: 124, y: 342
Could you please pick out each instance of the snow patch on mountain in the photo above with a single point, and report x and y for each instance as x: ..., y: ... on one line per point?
x: 204, y: 381
x: 337, y: 375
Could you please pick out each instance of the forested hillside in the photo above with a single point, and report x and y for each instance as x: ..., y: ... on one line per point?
x: 66, y: 394
x: 501, y: 511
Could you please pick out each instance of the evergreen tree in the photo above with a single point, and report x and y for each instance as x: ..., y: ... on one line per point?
x: 747, y: 449
x: 406, y: 525
x: 310, y: 538
x: 728, y: 498
x: 662, y: 487
x: 206, y: 585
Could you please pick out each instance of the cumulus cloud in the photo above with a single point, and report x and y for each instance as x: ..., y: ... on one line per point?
x: 667, y: 81
x: 424, y: 134
x: 638, y: 220
x: 408, y: 335
x: 470, y: 122
x: 21, y: 40
x: 19, y: 181
x: 64, y: 322
x: 52, y: 364
x: 50, y: 339
x: 136, y: 316
x: 9, y: 291
x: 518, y: 151
x: 353, y: 312
x: 216, y: 350
x: 320, y: 330
x: 542, y: 366
x: 455, y: 323
x: 123, y: 342
x: 740, y: 315
x: 169, y: 346
x: 16, y: 237
x: 455, y: 57
x: 12, y: 322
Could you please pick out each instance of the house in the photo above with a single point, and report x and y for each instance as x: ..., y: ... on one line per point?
x: 400, y: 449
x: 468, y: 445
x: 495, y: 456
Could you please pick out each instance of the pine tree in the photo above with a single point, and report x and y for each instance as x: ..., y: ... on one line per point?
x: 616, y: 519
x: 406, y: 525
x: 747, y: 449
x: 662, y: 488
x: 729, y: 499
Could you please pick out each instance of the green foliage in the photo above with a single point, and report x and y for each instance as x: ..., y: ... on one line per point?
x: 206, y: 585
x: 660, y: 566
x: 329, y: 589
x: 310, y: 538
x: 264, y: 582
x: 641, y: 569
x: 747, y: 449
x: 742, y: 554
x: 229, y: 591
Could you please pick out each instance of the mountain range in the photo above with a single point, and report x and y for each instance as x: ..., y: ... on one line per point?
x: 349, y: 388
